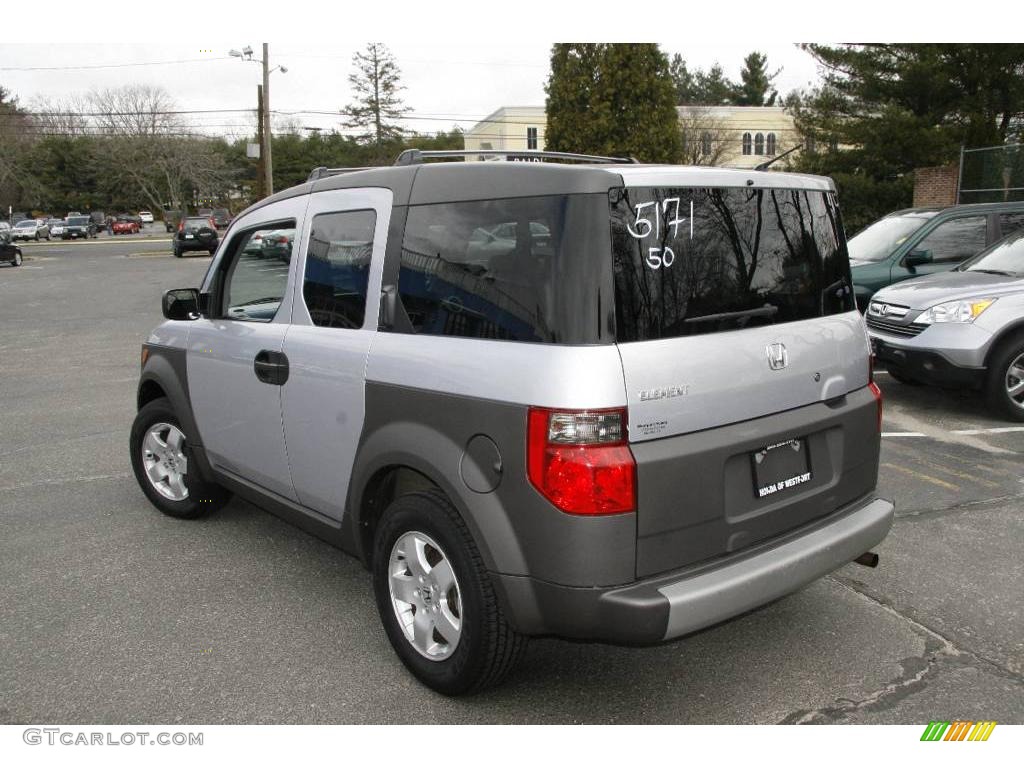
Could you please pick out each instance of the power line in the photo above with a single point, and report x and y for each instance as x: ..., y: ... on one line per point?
x: 112, y: 66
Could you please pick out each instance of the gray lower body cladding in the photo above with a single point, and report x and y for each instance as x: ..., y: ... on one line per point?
x: 696, y: 492
x: 682, y: 602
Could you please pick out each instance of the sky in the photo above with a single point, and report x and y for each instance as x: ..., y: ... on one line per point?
x: 456, y: 83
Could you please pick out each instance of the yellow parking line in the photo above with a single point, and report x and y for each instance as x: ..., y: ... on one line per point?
x: 922, y: 476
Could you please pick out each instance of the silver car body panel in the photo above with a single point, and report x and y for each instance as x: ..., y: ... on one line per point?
x: 692, y: 383
x: 239, y: 416
x: 545, y: 375
x: 700, y: 176
x: 323, y: 402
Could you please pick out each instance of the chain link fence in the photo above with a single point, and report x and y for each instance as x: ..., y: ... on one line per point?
x: 991, y: 174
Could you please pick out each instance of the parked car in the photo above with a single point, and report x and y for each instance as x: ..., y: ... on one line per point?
x: 99, y: 218
x: 125, y: 227
x: 963, y: 328
x: 922, y: 241
x: 78, y: 226
x: 56, y: 227
x: 624, y: 433
x: 171, y: 220
x: 9, y: 251
x: 30, y: 229
x: 221, y: 217
x: 195, y: 233
x: 146, y: 217
x: 5, y: 226
x: 277, y: 244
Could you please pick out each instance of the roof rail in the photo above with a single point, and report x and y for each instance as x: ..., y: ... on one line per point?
x: 323, y: 172
x: 417, y: 156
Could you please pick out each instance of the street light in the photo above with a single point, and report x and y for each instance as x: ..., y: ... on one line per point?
x: 246, y: 54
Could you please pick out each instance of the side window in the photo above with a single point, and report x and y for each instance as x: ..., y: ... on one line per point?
x: 1010, y: 222
x: 257, y: 276
x: 955, y: 240
x: 338, y: 268
x: 483, y: 270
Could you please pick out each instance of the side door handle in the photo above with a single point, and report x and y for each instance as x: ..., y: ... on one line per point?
x: 271, y: 367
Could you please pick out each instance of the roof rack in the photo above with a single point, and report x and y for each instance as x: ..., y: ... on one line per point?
x: 417, y: 156
x: 323, y: 171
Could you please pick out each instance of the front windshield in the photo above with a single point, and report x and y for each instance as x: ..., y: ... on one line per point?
x: 883, y: 237
x: 27, y: 223
x: 78, y: 221
x: 1006, y: 256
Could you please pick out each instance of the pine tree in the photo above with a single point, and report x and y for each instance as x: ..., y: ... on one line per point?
x: 756, y: 84
x: 612, y: 99
x: 376, y: 83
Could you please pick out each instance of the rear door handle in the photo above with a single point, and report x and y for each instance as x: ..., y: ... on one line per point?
x: 271, y: 367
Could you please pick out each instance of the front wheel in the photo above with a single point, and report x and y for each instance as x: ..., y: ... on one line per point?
x: 436, y: 599
x: 17, y: 259
x: 164, y: 466
x: 1004, y: 387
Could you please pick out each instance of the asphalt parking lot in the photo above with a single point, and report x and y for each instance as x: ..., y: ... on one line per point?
x: 113, y: 613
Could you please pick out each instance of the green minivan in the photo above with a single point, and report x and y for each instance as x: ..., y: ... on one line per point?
x: 920, y: 241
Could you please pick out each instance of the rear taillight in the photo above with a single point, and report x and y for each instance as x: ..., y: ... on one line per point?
x: 181, y: 225
x: 580, y: 460
x: 874, y: 389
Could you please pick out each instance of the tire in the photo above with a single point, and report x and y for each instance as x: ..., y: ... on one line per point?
x: 177, y: 253
x: 200, y: 497
x: 1008, y: 357
x: 902, y: 377
x: 486, y: 648
x: 37, y: 237
x: 16, y: 261
x: 212, y: 252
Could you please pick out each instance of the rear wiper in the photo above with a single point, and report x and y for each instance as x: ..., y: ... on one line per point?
x: 768, y: 310
x: 993, y: 272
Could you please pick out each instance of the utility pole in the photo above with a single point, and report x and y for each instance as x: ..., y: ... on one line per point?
x: 268, y: 162
x: 260, y: 184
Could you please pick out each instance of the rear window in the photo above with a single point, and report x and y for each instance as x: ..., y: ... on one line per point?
x: 690, y: 261
x: 78, y: 221
x: 523, y: 269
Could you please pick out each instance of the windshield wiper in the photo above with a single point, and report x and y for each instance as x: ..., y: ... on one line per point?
x: 768, y: 310
x: 993, y: 272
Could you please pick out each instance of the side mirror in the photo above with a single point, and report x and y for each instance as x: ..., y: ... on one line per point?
x: 915, y: 258
x: 181, y: 304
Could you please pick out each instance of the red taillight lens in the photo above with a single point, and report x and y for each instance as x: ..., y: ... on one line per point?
x: 878, y: 401
x: 580, y: 462
x: 181, y: 225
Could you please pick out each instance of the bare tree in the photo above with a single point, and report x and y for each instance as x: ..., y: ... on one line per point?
x: 145, y: 144
x: 705, y: 137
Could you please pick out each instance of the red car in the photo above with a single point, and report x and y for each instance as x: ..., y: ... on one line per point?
x: 125, y: 227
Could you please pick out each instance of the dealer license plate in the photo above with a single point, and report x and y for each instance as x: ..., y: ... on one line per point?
x: 780, y: 467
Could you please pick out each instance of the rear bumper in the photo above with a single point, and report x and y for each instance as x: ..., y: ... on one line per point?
x: 679, y: 603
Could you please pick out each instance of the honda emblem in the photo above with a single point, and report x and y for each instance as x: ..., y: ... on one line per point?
x: 777, y: 357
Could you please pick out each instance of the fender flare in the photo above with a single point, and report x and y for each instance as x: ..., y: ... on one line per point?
x: 435, y: 456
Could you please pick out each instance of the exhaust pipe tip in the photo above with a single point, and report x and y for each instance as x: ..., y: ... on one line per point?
x: 868, y: 559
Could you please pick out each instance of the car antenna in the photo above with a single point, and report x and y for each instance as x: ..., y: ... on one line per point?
x: 764, y: 166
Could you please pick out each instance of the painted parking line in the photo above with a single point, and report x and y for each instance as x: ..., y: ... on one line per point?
x: 97, y: 241
x: 988, y: 431
x: 920, y: 476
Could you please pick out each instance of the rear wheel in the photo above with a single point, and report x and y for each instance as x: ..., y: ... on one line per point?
x: 164, y: 467
x: 1004, y: 387
x: 17, y: 259
x: 436, y: 600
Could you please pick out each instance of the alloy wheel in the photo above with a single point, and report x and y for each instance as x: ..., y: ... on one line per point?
x: 164, y: 460
x: 425, y: 595
x: 1015, y: 381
